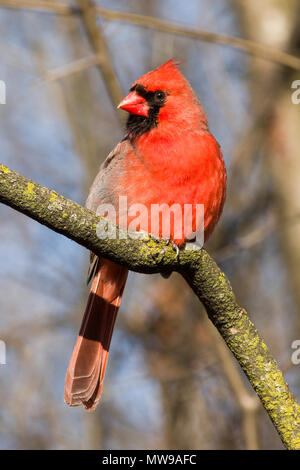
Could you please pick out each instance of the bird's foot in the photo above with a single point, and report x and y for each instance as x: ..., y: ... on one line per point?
x: 174, y: 246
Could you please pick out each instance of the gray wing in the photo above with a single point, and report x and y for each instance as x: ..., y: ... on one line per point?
x: 103, y: 189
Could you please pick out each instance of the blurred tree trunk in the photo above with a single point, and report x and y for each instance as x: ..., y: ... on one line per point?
x: 175, y: 364
x: 276, y: 23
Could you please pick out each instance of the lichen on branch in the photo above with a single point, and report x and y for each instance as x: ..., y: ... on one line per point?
x: 149, y: 255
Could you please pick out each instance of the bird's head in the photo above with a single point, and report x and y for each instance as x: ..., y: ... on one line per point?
x: 160, y: 96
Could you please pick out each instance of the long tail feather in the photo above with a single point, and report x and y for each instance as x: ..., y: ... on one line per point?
x: 86, y: 371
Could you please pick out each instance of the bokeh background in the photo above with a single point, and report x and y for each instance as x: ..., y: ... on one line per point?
x: 171, y: 382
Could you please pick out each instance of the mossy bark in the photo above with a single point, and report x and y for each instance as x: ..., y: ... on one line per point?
x: 149, y: 255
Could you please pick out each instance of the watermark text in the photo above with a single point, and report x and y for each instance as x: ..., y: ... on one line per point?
x: 295, y: 357
x: 178, y: 222
x: 2, y: 92
x: 296, y: 94
x: 2, y: 352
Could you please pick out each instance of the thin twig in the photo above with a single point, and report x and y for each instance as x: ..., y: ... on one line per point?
x: 71, y: 68
x: 101, y: 50
x: 253, y: 48
x: 42, y: 6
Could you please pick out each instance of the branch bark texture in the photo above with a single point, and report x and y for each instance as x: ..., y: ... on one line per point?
x: 149, y: 255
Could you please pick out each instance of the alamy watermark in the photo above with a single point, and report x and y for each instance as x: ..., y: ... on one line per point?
x: 296, y: 94
x: 295, y: 357
x: 2, y: 352
x: 2, y: 92
x: 183, y: 222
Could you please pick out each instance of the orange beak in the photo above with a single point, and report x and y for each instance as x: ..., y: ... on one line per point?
x: 135, y: 104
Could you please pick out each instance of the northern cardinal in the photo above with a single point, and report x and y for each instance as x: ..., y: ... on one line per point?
x: 167, y: 155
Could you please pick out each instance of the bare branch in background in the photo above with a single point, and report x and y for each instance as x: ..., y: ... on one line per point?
x: 43, y: 6
x: 97, y: 40
x: 69, y: 69
x: 251, y: 47
x: 247, y: 401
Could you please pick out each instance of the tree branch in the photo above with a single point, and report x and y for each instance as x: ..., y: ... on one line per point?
x: 247, y: 400
x: 196, y: 266
x: 251, y: 47
x: 254, y: 48
x: 100, y: 47
x: 41, y: 6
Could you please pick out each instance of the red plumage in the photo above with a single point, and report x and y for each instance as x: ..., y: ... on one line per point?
x: 167, y: 156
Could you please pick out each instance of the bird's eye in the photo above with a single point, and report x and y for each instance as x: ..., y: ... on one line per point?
x: 160, y: 95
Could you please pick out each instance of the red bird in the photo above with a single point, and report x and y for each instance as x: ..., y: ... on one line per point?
x: 167, y: 156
